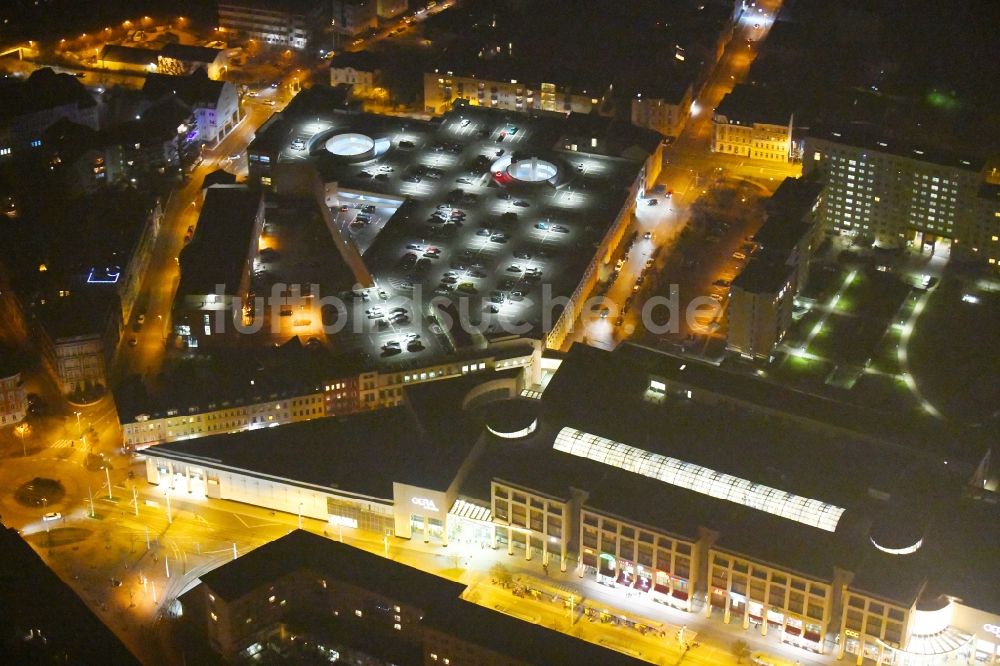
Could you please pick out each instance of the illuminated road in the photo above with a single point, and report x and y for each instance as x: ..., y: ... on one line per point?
x: 690, y: 168
x: 390, y: 29
x: 105, y: 558
x: 160, y: 283
x: 93, y: 553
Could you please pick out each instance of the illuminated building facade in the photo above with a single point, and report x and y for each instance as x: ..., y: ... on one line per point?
x: 288, y: 23
x: 762, y: 296
x: 442, y: 88
x: 311, y: 597
x: 749, y: 122
x: 846, y: 572
x: 897, y: 195
x: 352, y: 17
x: 13, y: 399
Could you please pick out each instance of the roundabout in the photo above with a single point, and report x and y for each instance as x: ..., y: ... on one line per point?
x: 40, y: 492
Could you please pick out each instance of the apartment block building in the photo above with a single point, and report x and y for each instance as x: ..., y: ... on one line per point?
x: 32, y: 105
x: 349, y: 605
x: 443, y: 87
x: 352, y: 17
x: 13, y: 399
x: 898, y: 195
x: 290, y: 23
x: 148, y: 422
x: 762, y: 296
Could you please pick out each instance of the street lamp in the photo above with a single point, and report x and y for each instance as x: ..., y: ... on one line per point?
x: 78, y: 426
x: 22, y: 430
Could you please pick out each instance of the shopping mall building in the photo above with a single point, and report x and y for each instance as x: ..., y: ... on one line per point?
x: 842, y: 531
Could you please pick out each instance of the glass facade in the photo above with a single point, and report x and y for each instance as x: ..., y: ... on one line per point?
x: 699, y: 479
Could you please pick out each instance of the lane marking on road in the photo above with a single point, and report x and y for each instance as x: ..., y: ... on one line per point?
x: 513, y: 613
x: 621, y: 648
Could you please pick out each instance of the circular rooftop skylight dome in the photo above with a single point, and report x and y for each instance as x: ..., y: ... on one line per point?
x: 350, y: 145
x: 532, y: 170
x: 899, y: 528
x: 512, y: 419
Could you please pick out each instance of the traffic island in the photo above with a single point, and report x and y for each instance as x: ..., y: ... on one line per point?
x: 40, y: 492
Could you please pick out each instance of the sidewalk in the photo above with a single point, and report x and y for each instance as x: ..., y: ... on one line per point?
x: 711, y: 634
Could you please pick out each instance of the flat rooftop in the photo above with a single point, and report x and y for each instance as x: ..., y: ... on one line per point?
x: 360, y: 454
x: 34, y: 599
x: 782, y: 447
x: 530, y: 35
x: 534, y: 464
x: 217, y: 254
x: 748, y: 104
x: 41, y: 91
x: 439, y: 598
x: 235, y: 377
x: 197, y: 90
x: 594, y: 388
x: 764, y: 275
x: 878, y: 142
x: 190, y: 53
x: 463, y: 232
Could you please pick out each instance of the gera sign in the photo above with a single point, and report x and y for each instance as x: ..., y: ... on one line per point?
x: 425, y: 503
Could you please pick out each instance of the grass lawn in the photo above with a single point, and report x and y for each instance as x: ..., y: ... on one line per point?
x: 801, y: 328
x: 823, y: 281
x: 882, y: 393
x: 801, y: 371
x: 852, y: 332
x: 954, y: 352
x: 886, y: 356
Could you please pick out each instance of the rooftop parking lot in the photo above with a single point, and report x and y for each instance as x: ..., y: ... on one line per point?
x: 481, y: 209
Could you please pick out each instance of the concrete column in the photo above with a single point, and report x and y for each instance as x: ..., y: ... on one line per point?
x: 841, y: 646
x: 763, y: 620
x: 427, y: 536
x: 510, y: 541
x: 726, y: 610
x: 746, y: 613
x: 861, y: 651
x: 562, y: 556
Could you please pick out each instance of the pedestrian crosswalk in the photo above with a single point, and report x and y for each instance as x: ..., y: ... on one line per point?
x: 63, y: 443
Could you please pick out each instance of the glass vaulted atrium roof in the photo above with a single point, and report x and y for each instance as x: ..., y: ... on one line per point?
x: 699, y: 479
